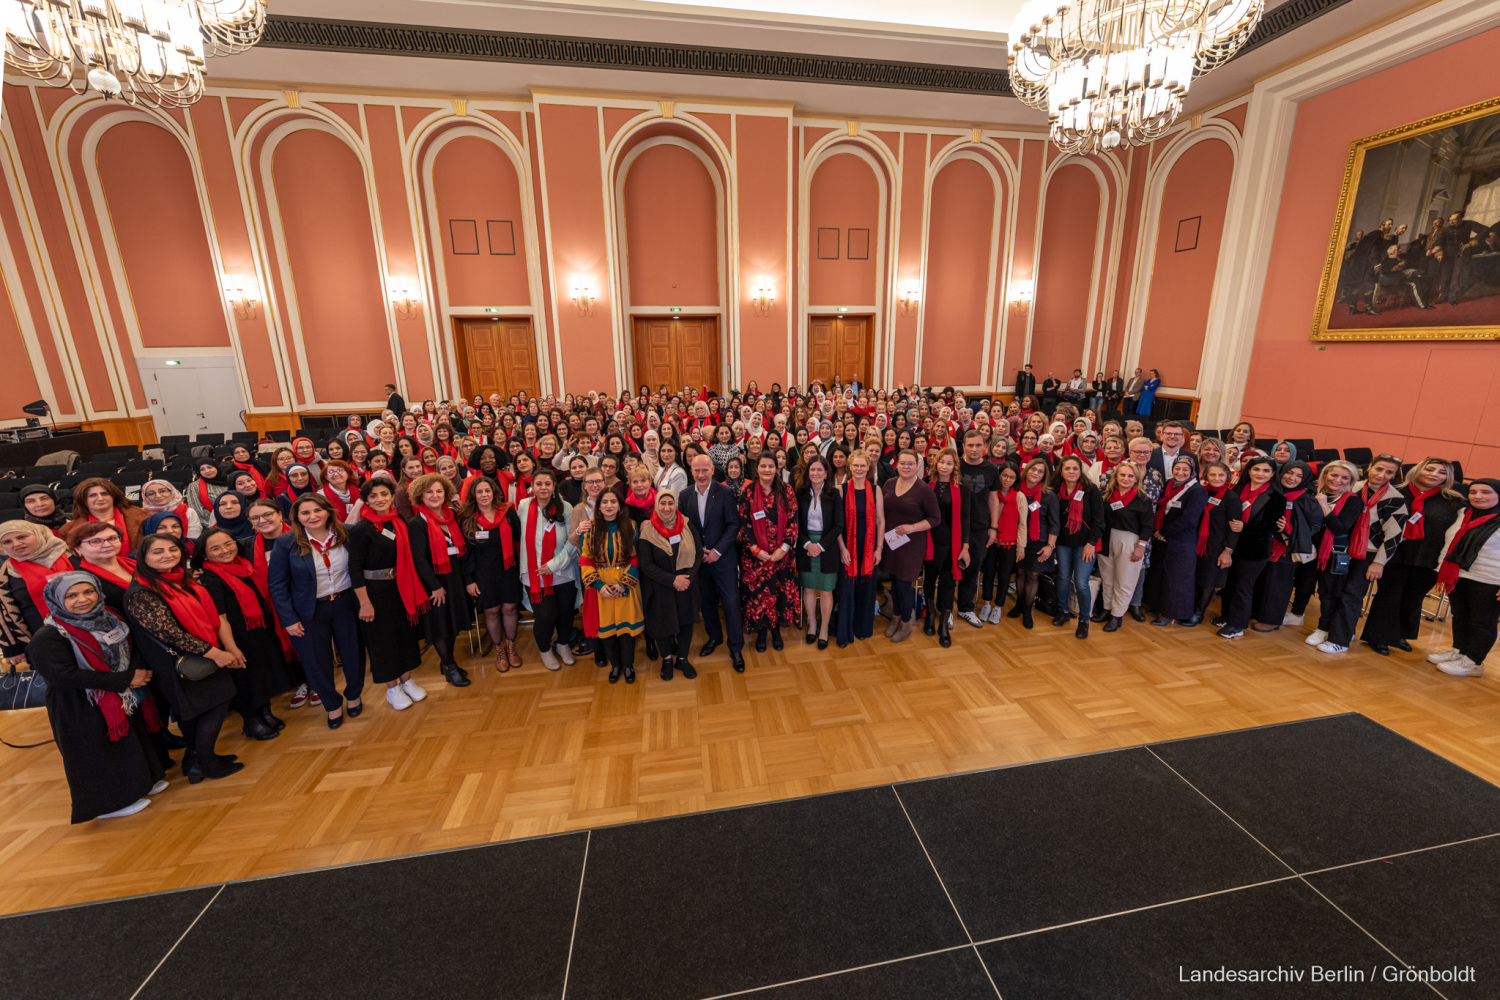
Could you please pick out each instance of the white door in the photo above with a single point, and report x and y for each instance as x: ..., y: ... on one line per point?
x: 193, y: 395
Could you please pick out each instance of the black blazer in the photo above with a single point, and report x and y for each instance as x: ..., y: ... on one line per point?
x: 723, y: 520
x: 1094, y: 518
x: 1025, y: 384
x: 833, y: 530
x: 1260, y: 526
x: 396, y: 404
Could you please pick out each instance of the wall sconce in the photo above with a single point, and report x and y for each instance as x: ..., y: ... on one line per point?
x: 764, y: 294
x: 911, y: 296
x: 241, y: 294
x: 583, y: 295
x: 1020, y: 296
x: 403, y: 300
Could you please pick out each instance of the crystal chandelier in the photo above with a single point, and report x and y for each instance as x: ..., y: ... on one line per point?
x: 1113, y: 71
x: 139, y: 50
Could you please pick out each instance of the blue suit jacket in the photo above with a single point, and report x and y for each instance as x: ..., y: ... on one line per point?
x: 722, y: 525
x: 293, y: 582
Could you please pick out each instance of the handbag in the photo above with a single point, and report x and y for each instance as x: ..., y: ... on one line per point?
x: 194, y: 668
x: 1338, y: 564
x: 22, y: 689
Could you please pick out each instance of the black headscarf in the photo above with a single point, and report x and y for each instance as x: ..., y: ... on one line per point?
x: 54, y: 520
x: 1467, y: 547
x: 239, y: 527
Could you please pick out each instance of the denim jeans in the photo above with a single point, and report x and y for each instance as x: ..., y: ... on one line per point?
x: 1074, y: 572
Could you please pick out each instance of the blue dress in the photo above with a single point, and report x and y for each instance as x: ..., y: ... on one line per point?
x: 1148, y: 397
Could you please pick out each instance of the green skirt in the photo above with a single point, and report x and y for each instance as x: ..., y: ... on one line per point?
x: 813, y: 580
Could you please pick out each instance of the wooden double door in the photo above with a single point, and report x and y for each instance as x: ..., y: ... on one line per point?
x: 840, y: 345
x: 676, y: 351
x: 496, y: 356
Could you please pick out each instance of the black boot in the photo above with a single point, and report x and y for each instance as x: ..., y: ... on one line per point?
x: 271, y: 720
x: 1083, y: 628
x: 256, y: 729
x: 1137, y: 613
x: 454, y: 676
x: 776, y: 638
x: 1061, y: 618
x: 945, y: 635
x: 666, y: 668
x: 686, y: 668
x: 929, y: 624
x: 1100, y: 616
x: 650, y: 648
x: 1114, y: 624
x: 1016, y: 610
x: 760, y: 641
x: 1026, y: 618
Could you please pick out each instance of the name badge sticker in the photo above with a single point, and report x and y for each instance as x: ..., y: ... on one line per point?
x: 1034, y: 505
x: 453, y: 550
x: 674, y: 539
x: 387, y: 532
x: 480, y: 535
x: 1116, y: 505
x: 759, y: 515
x: 1215, y: 501
x: 1414, y: 518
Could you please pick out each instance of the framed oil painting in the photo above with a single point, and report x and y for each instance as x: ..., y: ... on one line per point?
x: 1415, y: 253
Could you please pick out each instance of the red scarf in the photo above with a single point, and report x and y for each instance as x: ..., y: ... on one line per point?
x: 234, y: 574
x: 1033, y: 495
x: 1278, y: 547
x: 126, y: 563
x: 109, y: 701
x: 864, y: 561
x: 760, y: 500
x: 648, y: 501
x: 498, y: 523
x: 956, y: 493
x: 118, y: 520
x: 192, y: 606
x: 1123, y: 499
x: 522, y: 487
x: 1414, y: 521
x: 1325, y: 545
x: 35, y: 576
x: 1010, y: 520
x: 442, y: 533
x: 1075, y: 508
x: 408, y: 582
x: 1359, y: 536
x: 542, y: 582
x: 1448, y: 572
x: 340, y: 507
x: 1208, y: 511
x: 250, y: 467
x: 203, y: 497
x: 1167, y: 496
x: 1026, y: 456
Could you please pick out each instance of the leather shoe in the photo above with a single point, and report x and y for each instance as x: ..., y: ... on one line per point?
x: 1381, y: 648
x: 760, y: 641
x: 1083, y: 628
x: 278, y: 725
x: 335, y: 721
x: 650, y: 648
x: 1402, y: 645
x: 822, y: 643
x: 929, y: 625
x: 709, y: 647
x: 454, y: 676
x: 776, y: 638
x: 686, y: 669
x: 666, y: 668
x: 256, y: 729
x: 614, y: 674
x: 630, y: 675
x: 1061, y: 618
x: 812, y: 637
x: 353, y: 710
x: 945, y: 637
x: 737, y: 661
x: 1114, y: 625
x: 1101, y: 617
x: 1137, y: 613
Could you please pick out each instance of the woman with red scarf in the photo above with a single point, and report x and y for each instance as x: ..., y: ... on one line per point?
x: 1174, y: 560
x: 1220, y: 533
x: 549, y: 568
x: 341, y: 490
x: 859, y: 548
x: 1379, y: 524
x: 1042, y: 526
x: 446, y: 567
x: 1434, y: 505
x: 172, y: 616
x: 241, y: 459
x: 1129, y: 520
x: 98, y: 499
x: 265, y: 520
x: 35, y: 556
x: 1470, y: 573
x: 99, y: 552
x: 102, y: 713
x: 203, y: 492
x: 1262, y: 509
x: 390, y: 593
x: 1081, y: 511
x: 948, y: 553
x: 1000, y: 555
x: 492, y: 530
x: 306, y: 453
x: 768, y: 571
x: 244, y: 601
x: 669, y: 554
x: 1292, y: 572
x: 820, y: 522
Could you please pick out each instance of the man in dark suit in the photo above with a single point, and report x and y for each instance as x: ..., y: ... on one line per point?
x: 711, y: 508
x: 395, y: 403
x: 856, y: 386
x: 1025, y: 383
x: 1173, y: 437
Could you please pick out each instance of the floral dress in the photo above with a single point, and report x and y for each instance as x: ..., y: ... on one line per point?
x: 769, y: 596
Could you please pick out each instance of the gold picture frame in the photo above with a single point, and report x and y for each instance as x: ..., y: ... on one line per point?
x: 1347, y: 296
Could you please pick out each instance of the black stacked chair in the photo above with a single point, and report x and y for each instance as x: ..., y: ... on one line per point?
x: 282, y: 436
x: 244, y: 437
x: 99, y: 468
x: 1361, y: 457
x: 1321, y: 455
x: 145, y: 465
x: 133, y: 477
x: 1458, y: 472
x: 177, y: 477
x: 1304, y: 446
x: 172, y: 443
x: 215, y: 439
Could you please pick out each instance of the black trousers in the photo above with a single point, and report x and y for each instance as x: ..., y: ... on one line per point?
x: 1273, y: 590
x: 620, y: 649
x: 1238, y: 600
x: 968, y: 587
x: 1396, y: 610
x: 679, y: 645
x: 999, y: 563
x: 718, y: 584
x: 335, y: 622
x: 1340, y: 598
x: 855, y: 608
x: 552, y: 616
x: 937, y: 579
x: 903, y: 598
x: 1475, y: 613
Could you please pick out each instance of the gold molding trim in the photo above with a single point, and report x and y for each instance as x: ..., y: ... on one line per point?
x: 293, y: 98
x: 1327, y: 287
x: 461, y: 107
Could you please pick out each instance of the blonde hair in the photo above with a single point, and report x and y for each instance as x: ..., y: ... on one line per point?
x: 1447, y: 487
x: 1112, y: 482
x: 1337, y: 463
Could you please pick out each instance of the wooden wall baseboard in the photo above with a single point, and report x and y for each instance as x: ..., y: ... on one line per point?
x: 125, y: 430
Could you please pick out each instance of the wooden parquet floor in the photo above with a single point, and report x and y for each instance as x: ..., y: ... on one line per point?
x: 533, y: 752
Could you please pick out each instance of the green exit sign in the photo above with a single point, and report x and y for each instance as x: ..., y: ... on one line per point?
x: 675, y: 309
x: 491, y: 309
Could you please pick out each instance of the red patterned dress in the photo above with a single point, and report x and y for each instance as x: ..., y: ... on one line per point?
x: 769, y: 596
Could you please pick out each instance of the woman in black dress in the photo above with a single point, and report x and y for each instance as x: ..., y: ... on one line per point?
x: 493, y: 532
x: 391, y: 594
x: 446, y: 568
x: 1035, y: 558
x: 1291, y: 575
x: 911, y: 510
x: 230, y: 580
x: 102, y: 713
x: 1174, y: 562
x: 670, y: 551
x: 1217, y: 536
x: 172, y: 616
x: 1395, y: 615
x: 948, y: 552
x: 1262, y: 510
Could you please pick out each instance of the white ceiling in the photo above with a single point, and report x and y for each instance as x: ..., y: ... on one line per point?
x: 952, y: 32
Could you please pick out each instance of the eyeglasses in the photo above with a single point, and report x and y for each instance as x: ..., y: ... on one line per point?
x: 262, y: 518
x: 100, y: 541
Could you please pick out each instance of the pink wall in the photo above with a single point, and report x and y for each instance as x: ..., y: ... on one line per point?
x: 1070, y: 223
x: 913, y: 158
x: 325, y: 216
x: 19, y: 386
x: 473, y: 179
x: 1182, y: 281
x: 1028, y: 197
x: 158, y: 225
x: 1410, y: 399
x: 844, y: 195
x: 958, y: 273
x: 761, y: 149
x: 671, y: 229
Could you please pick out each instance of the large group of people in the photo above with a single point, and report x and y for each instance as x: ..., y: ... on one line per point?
x: 625, y: 520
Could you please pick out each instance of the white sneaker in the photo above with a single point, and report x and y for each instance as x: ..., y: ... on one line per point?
x: 996, y: 613
x: 984, y: 612
x: 397, y: 699
x: 1332, y: 647
x: 1462, y: 666
x: 159, y: 787
x: 1317, y: 638
x: 129, y: 810
x: 564, y: 653
x: 414, y: 691
x: 550, y: 661
x: 1444, y: 656
x: 971, y: 618
x: 1291, y: 619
